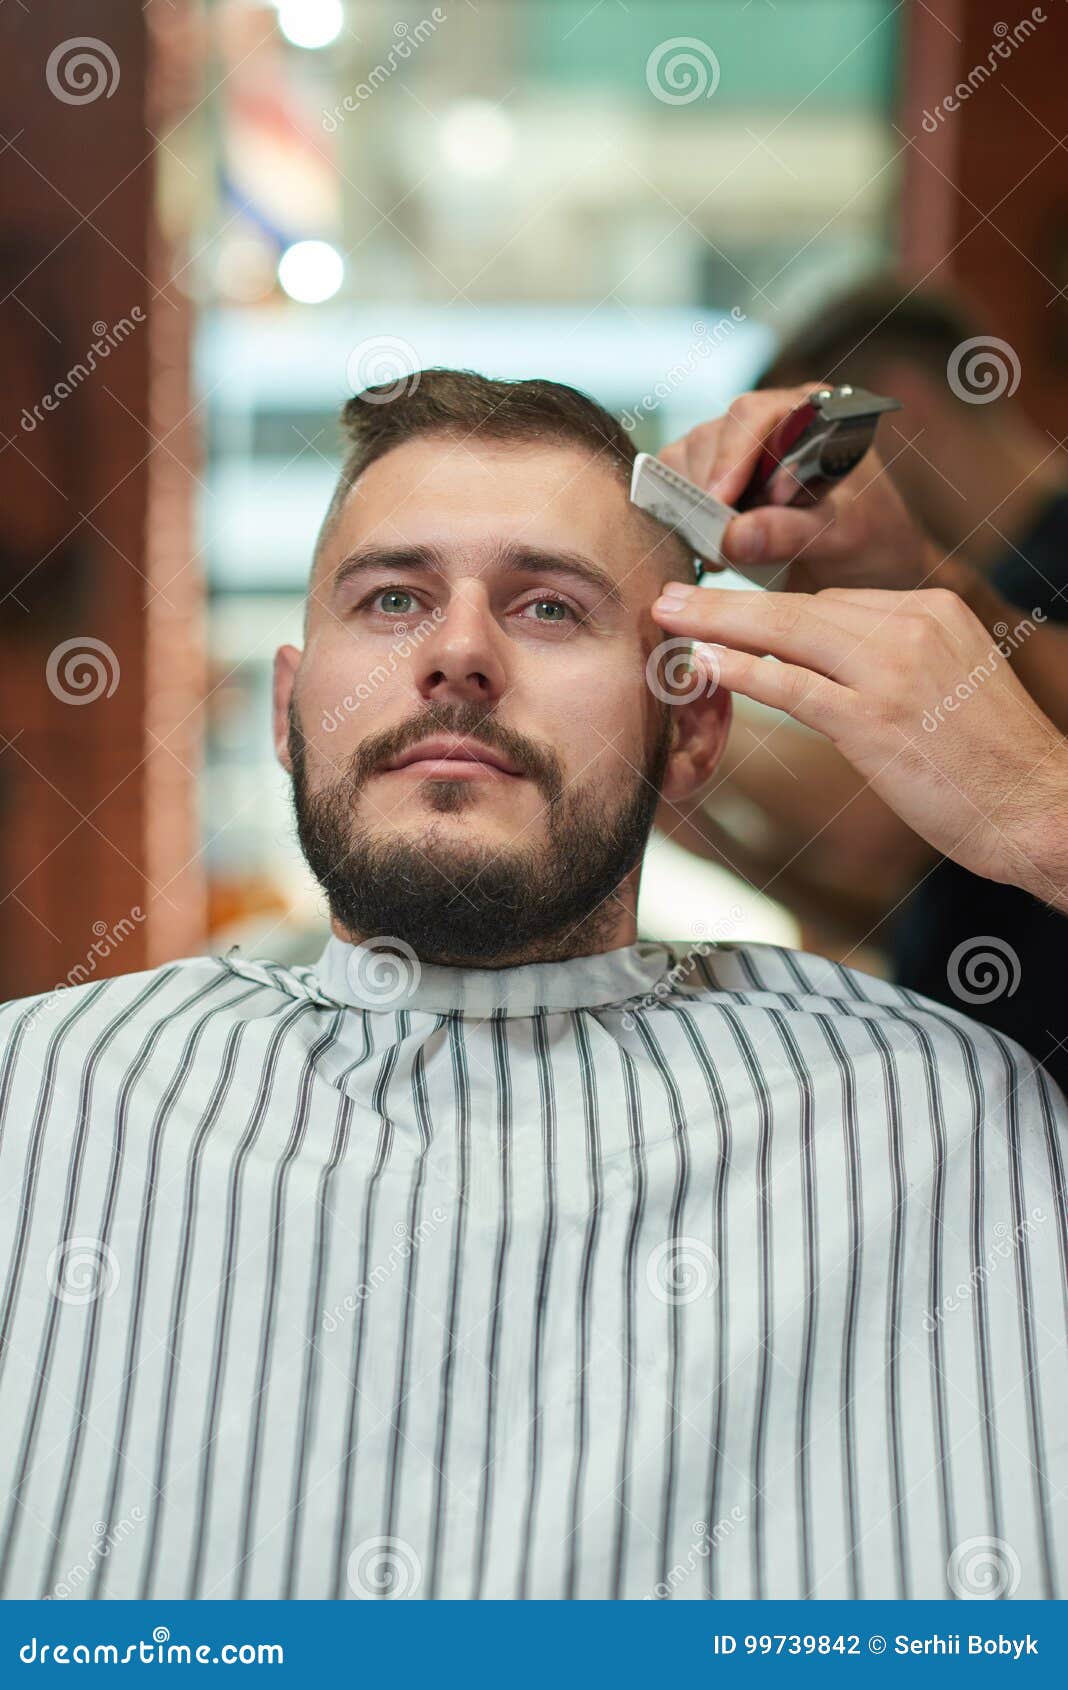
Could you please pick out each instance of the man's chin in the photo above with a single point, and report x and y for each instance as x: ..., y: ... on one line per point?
x: 455, y: 839
x: 526, y: 870
x: 465, y: 897
x: 458, y: 895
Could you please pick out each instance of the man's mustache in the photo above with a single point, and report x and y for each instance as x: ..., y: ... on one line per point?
x: 469, y: 720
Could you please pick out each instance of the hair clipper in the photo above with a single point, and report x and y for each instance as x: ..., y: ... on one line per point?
x: 807, y: 453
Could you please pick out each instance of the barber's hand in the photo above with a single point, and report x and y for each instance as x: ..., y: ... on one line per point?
x: 915, y: 693
x: 858, y: 535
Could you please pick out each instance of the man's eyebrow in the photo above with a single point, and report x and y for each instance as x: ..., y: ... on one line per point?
x: 371, y: 559
x: 518, y: 558
x: 539, y: 561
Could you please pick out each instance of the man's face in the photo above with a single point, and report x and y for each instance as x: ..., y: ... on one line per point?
x: 470, y: 727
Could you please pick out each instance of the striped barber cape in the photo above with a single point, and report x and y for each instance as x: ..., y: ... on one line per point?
x: 725, y: 1273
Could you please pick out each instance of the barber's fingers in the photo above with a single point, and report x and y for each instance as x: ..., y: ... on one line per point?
x: 720, y: 455
x: 822, y: 631
x: 781, y: 533
x: 889, y: 601
x: 862, y: 516
x: 742, y: 435
x: 694, y: 455
x: 809, y: 698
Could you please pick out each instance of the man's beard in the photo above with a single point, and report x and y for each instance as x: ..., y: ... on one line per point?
x: 475, y: 905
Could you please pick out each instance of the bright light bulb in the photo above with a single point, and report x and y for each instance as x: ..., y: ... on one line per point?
x: 311, y: 271
x: 310, y: 23
x: 477, y: 138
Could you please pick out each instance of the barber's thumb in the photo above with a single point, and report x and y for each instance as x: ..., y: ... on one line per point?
x: 745, y: 539
x: 772, y: 534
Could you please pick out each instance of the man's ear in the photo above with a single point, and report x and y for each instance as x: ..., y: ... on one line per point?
x: 286, y: 663
x: 700, y: 728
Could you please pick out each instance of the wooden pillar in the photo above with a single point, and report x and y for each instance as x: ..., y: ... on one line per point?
x: 985, y: 190
x: 101, y: 668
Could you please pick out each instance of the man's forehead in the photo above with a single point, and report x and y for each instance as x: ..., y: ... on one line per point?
x: 466, y: 498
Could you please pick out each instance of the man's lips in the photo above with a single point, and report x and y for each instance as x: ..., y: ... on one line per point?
x: 450, y: 758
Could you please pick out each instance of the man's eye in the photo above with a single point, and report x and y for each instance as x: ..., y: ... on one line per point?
x: 549, y: 610
x: 395, y: 601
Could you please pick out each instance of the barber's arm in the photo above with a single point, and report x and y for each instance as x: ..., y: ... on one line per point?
x: 788, y: 814
x: 909, y: 690
x: 859, y: 535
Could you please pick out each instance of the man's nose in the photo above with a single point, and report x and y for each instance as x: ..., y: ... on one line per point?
x: 463, y: 658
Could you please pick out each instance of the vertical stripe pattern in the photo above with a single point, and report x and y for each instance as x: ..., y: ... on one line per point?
x: 731, y: 1276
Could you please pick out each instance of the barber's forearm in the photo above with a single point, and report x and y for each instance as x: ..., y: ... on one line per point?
x: 1043, y: 865
x: 1038, y: 654
x: 813, y: 803
x: 847, y: 913
x: 1059, y: 899
x: 1040, y: 662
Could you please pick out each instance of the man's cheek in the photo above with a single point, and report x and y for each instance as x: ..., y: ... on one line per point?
x: 607, y: 738
x: 349, y: 704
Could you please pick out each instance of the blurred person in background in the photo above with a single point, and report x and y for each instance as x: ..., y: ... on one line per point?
x: 991, y: 491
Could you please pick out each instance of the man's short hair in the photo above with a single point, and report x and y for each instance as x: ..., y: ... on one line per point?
x: 463, y: 403
x: 854, y: 334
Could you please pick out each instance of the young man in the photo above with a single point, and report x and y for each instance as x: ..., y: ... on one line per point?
x: 502, y: 1254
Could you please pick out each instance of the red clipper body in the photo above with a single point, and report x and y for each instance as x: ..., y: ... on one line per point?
x: 815, y: 446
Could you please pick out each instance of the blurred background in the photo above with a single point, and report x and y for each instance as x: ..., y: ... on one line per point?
x: 218, y: 220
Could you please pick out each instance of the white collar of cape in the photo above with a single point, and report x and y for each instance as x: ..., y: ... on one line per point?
x: 387, y: 975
